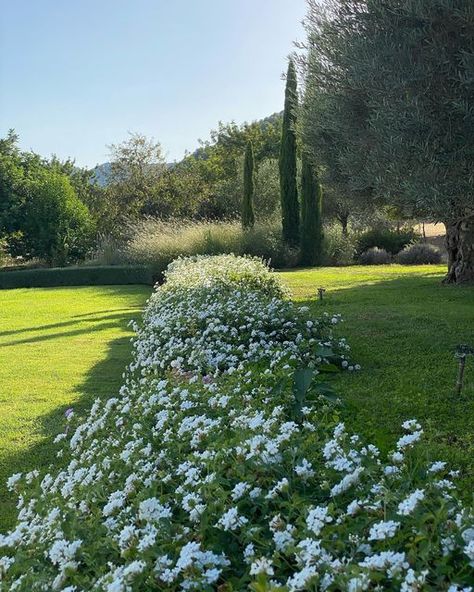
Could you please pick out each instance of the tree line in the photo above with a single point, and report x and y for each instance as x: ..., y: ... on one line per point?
x: 378, y: 111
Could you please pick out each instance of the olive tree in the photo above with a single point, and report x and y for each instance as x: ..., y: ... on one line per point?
x: 388, y: 108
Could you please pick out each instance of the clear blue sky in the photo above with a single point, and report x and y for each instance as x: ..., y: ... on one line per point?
x: 76, y: 75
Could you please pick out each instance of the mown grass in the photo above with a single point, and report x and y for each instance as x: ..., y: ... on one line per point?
x: 59, y: 348
x: 62, y: 347
x: 402, y: 325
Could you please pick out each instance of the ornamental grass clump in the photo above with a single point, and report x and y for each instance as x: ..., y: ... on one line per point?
x: 203, y: 474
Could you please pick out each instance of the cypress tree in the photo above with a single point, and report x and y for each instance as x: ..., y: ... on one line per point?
x: 311, y: 215
x: 288, y: 188
x: 248, y: 218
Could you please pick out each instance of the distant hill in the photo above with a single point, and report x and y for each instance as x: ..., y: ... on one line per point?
x: 102, y: 173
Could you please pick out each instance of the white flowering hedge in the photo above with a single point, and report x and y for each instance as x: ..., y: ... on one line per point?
x: 222, y: 466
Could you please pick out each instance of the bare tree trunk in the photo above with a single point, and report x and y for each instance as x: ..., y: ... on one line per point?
x: 460, y: 247
x: 344, y: 220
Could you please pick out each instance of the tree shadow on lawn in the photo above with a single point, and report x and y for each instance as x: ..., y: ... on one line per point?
x: 102, y: 381
x: 403, y: 333
x: 89, y: 319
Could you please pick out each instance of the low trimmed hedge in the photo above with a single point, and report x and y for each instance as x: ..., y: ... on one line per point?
x: 79, y: 276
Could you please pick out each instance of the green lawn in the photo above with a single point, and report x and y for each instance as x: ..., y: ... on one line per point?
x: 59, y: 348
x: 402, y: 325
x: 62, y: 347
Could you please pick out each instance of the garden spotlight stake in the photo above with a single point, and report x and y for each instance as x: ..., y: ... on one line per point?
x: 461, y: 353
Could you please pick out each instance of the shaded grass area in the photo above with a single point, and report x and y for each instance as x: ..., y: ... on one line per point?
x: 403, y: 325
x: 59, y: 348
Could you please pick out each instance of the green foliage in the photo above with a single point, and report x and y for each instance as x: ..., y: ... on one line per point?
x: 419, y: 254
x: 79, y: 276
x: 136, y: 165
x: 288, y: 184
x: 41, y: 213
x: 375, y: 256
x: 3, y: 252
x: 12, y: 179
x: 231, y: 139
x: 220, y: 165
x: 339, y: 247
x: 248, y: 217
x: 57, y: 226
x: 267, y: 190
x: 384, y: 238
x: 388, y: 108
x: 311, y: 215
x: 180, y: 192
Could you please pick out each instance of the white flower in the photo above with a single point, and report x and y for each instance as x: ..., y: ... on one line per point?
x: 62, y: 553
x: 280, y: 487
x: 300, y: 580
x: 151, y: 510
x: 261, y: 566
x: 386, y: 560
x: 353, y: 508
x: 411, y: 425
x: 317, y: 518
x: 408, y: 505
x: 469, y: 551
x: 239, y: 490
x: 408, y: 440
x: 305, y: 469
x: 13, y: 480
x: 348, y: 481
x: 231, y: 520
x: 436, y: 467
x: 383, y: 530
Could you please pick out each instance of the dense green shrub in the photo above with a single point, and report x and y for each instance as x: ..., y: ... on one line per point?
x: 79, y: 276
x: 390, y: 240
x: 57, y: 226
x: 339, y: 248
x: 222, y: 465
x: 419, y: 254
x: 375, y: 256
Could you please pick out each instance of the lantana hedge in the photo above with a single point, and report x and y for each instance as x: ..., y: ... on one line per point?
x: 222, y: 465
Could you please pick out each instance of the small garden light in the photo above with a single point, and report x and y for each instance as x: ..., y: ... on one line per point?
x: 461, y: 353
x: 321, y: 292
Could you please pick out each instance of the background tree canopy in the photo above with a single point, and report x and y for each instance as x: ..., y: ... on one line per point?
x: 55, y: 211
x: 41, y: 214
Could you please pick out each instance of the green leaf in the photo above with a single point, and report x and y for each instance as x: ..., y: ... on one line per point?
x: 301, y: 382
x: 324, y: 352
x: 326, y: 390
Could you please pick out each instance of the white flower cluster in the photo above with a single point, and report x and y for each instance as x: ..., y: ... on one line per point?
x: 215, y: 314
x: 204, y: 474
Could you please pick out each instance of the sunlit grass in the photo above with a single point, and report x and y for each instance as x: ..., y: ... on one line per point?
x: 59, y: 348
